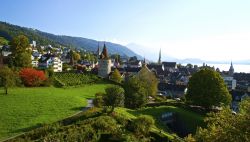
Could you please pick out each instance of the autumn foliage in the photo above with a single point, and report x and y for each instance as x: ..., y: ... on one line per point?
x: 32, y: 77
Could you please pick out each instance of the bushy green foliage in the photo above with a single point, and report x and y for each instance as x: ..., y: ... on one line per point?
x: 21, y: 54
x: 226, y: 126
x: 149, y: 81
x: 116, y: 76
x: 114, y: 97
x: 142, y: 124
x: 73, y: 79
x: 207, y: 88
x: 7, y: 78
x: 3, y: 41
x: 98, y: 101
x: 92, y: 129
x: 135, y: 94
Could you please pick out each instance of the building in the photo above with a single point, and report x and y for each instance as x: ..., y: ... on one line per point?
x: 170, y: 66
x: 104, y: 63
x: 48, y: 60
x: 230, y: 82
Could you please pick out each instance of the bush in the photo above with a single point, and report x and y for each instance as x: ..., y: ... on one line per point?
x: 98, y: 101
x: 31, y: 77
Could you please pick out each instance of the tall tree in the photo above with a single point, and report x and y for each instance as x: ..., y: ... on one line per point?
x: 114, y: 97
x: 207, y: 88
x: 21, y: 53
x: 7, y: 78
x: 136, y: 95
x: 148, y: 80
x: 116, y: 76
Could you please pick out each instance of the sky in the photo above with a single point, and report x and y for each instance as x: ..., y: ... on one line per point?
x: 212, y: 30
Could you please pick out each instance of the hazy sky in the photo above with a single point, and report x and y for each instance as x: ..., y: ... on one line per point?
x: 206, y: 29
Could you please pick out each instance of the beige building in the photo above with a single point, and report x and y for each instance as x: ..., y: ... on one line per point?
x: 104, y: 63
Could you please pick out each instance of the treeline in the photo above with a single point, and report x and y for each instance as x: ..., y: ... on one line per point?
x: 9, y: 31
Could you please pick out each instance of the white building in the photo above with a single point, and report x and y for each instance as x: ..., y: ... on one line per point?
x: 230, y: 82
x: 47, y: 61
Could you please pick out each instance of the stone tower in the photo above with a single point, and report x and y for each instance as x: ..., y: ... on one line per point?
x: 231, y: 70
x: 104, y: 63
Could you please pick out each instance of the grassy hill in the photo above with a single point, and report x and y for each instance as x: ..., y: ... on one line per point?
x: 26, y: 108
x: 9, y: 31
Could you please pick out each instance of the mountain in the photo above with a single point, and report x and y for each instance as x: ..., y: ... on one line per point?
x: 9, y: 31
x: 151, y: 54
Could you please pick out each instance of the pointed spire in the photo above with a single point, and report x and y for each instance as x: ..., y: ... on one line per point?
x: 231, y: 69
x: 98, y: 50
x: 159, y: 60
x: 104, y: 54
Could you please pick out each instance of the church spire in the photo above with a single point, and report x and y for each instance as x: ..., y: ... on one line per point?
x: 159, y: 60
x: 231, y: 69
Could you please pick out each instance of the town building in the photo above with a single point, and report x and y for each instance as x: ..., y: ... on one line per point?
x: 230, y: 82
x: 104, y: 63
x: 48, y: 60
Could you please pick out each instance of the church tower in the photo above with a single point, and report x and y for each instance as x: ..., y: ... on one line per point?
x: 104, y: 63
x: 231, y: 70
x: 159, y: 60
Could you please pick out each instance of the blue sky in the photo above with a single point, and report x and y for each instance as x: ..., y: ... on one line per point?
x: 205, y: 29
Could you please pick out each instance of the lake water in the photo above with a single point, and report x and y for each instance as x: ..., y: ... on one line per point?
x: 225, y: 67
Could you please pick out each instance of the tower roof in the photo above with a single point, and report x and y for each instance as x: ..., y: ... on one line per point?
x: 104, y: 54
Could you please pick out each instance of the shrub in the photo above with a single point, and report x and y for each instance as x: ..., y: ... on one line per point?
x: 31, y: 77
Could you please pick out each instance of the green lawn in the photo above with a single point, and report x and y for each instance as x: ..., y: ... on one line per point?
x: 190, y: 118
x: 26, y: 108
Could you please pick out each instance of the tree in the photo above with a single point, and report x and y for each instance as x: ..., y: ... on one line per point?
x: 189, y: 66
x: 98, y: 101
x: 116, y: 76
x: 23, y: 60
x: 148, y: 80
x: 7, y: 78
x: 226, y: 126
x: 3, y: 41
x: 19, y: 44
x: 31, y: 77
x: 74, y: 56
x: 207, y: 88
x: 142, y: 125
x: 114, y: 97
x: 136, y: 95
x: 21, y: 53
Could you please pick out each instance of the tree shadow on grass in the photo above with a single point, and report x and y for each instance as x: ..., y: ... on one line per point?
x: 77, y: 108
x: 22, y: 130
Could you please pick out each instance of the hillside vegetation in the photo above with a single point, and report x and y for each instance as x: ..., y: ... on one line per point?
x: 9, y: 31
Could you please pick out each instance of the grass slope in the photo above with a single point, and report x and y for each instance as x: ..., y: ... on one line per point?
x: 26, y: 108
x: 190, y: 118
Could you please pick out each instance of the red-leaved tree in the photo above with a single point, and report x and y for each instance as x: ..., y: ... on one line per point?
x: 32, y: 77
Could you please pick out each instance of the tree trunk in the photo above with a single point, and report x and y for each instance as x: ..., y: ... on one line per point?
x: 6, y: 90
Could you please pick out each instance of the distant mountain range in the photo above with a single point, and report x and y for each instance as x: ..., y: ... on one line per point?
x: 9, y: 31
x: 153, y: 56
